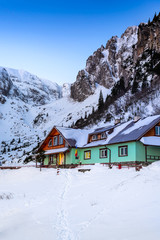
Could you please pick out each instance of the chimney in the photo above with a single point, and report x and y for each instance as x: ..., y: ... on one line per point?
x: 136, y: 118
x: 116, y: 121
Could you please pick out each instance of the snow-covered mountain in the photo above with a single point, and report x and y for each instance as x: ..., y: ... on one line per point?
x: 126, y: 70
x: 27, y: 87
x: 30, y: 106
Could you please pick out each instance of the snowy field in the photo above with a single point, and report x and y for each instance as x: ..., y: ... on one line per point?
x: 103, y: 204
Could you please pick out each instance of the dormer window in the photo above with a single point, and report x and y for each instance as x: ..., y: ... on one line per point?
x: 94, y: 137
x: 55, y: 141
x: 60, y: 140
x: 103, y: 135
x: 157, y: 130
x: 50, y: 143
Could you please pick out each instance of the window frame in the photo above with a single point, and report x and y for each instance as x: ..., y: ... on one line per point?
x: 103, y: 149
x: 60, y: 137
x: 119, y: 151
x: 157, y: 127
x: 50, y: 140
x: 51, y: 159
x: 55, y: 137
x: 85, y: 156
x: 104, y: 135
x: 94, y: 135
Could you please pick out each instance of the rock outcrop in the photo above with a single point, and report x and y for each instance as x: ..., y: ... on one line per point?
x: 136, y: 51
x: 106, y: 65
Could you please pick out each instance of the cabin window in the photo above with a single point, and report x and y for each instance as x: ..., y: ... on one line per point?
x: 157, y: 130
x: 87, y: 155
x: 103, y: 153
x: 123, y: 151
x: 60, y: 140
x: 50, y: 143
x: 94, y: 137
x: 103, y: 135
x: 55, y: 141
x: 50, y: 159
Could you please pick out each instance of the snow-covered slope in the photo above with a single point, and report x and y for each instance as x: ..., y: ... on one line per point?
x: 97, y: 205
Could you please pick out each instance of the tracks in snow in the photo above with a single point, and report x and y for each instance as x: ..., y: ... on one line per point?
x: 63, y: 230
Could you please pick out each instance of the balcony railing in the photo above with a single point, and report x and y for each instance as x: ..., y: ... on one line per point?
x: 152, y: 157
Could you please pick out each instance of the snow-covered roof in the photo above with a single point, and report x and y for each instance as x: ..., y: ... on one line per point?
x: 57, y: 150
x: 135, y: 130
x: 75, y: 137
x: 125, y: 132
x: 102, y: 129
x: 128, y: 131
x: 95, y: 143
x: 151, y: 141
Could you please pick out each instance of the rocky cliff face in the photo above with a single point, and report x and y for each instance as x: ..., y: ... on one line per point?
x: 107, y: 65
x: 126, y: 57
x: 149, y: 36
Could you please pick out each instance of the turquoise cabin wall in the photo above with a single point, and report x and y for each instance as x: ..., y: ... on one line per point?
x: 136, y: 152
x: 70, y: 157
x: 153, y: 151
x: 95, y: 157
x: 131, y: 152
x: 140, y: 152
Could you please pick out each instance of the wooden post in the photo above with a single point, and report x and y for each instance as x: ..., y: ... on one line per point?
x: 40, y: 165
x: 56, y: 160
x: 36, y: 161
x: 64, y: 159
x: 146, y: 153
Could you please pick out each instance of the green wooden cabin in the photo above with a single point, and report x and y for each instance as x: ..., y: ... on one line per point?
x: 136, y: 141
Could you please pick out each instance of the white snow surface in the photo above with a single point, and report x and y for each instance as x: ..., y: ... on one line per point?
x: 58, y: 150
x: 98, y: 205
x: 152, y: 141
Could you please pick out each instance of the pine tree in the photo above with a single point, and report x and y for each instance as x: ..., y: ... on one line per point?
x: 134, y: 87
x: 93, y: 110
x: 40, y: 157
x: 100, y: 102
x: 85, y: 115
x: 122, y: 84
x: 155, y: 17
x: 144, y: 84
x: 19, y: 140
x: 4, y: 150
x: 149, y: 21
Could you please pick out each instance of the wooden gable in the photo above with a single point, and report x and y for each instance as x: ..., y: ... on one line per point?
x: 54, y: 133
x: 151, y: 132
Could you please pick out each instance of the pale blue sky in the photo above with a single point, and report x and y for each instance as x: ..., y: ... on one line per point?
x: 53, y: 39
